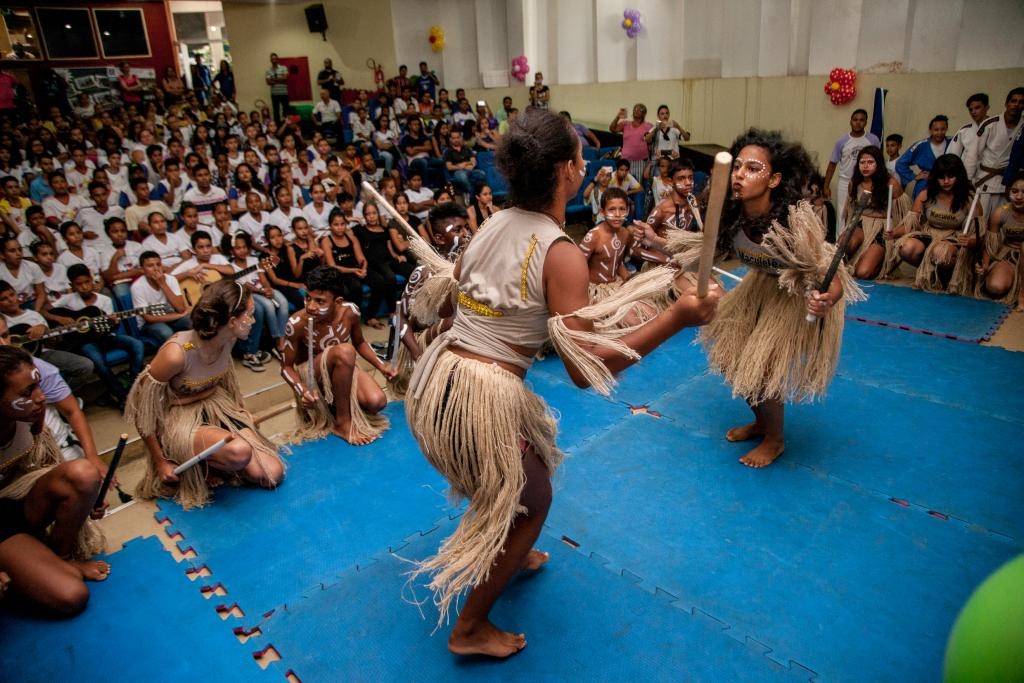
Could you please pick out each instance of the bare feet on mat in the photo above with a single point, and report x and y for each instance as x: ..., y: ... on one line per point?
x: 487, y: 639
x: 745, y: 433
x: 765, y: 454
x: 92, y: 570
x: 345, y: 431
x: 535, y: 559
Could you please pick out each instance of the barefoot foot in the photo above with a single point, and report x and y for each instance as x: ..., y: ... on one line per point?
x: 347, y: 433
x: 745, y: 433
x: 765, y: 454
x: 92, y: 570
x: 535, y: 559
x: 486, y: 639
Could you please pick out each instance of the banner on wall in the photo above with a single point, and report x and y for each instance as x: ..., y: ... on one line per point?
x: 100, y: 83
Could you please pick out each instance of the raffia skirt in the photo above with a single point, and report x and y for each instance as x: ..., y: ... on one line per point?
x: 470, y: 422
x: 762, y: 344
x: 175, y: 428
x: 319, y: 421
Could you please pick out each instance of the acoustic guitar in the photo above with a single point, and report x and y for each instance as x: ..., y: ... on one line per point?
x: 91, y: 324
x: 192, y: 289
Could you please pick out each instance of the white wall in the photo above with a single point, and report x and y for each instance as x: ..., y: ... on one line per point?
x: 581, y: 41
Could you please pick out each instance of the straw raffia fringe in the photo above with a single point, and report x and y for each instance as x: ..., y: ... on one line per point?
x: 436, y: 291
x: 999, y: 251
x: 911, y: 225
x: 873, y: 226
x: 653, y: 287
x: 468, y: 423
x: 151, y: 408
x: 927, y: 277
x: 760, y: 340
x: 319, y: 421
x: 44, y: 457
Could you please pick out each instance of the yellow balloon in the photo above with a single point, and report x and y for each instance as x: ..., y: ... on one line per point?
x: 627, y: 23
x: 834, y: 85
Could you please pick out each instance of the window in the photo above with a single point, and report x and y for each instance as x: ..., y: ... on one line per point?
x: 22, y: 36
x: 67, y: 33
x: 122, y: 32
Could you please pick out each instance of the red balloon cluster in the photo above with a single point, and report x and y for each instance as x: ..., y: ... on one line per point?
x: 842, y: 86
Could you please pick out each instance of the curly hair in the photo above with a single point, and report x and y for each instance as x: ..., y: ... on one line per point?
x: 527, y: 155
x: 791, y: 161
x: 326, y: 279
x: 220, y: 301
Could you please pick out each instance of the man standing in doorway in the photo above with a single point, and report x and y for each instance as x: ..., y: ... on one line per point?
x: 277, y: 79
x: 202, y: 80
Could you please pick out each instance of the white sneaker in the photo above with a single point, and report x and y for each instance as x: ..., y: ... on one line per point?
x: 252, y: 361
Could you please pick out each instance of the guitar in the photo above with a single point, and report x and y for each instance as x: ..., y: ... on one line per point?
x: 91, y: 324
x: 192, y: 289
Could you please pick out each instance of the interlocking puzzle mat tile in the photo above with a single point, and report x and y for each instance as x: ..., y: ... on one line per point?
x: 957, y: 317
x: 338, y: 505
x: 147, y: 622
x: 581, y: 622
x: 839, y: 579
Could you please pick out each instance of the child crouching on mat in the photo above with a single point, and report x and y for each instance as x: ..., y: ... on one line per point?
x: 1000, y: 270
x: 188, y: 399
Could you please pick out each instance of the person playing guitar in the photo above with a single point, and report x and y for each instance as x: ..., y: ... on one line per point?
x: 85, y: 301
x: 204, y: 267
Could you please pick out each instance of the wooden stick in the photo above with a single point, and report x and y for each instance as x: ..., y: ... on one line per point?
x: 110, y: 470
x: 203, y: 455
x: 310, y: 377
x: 840, y: 253
x: 888, y: 214
x: 726, y: 273
x: 719, y: 188
x: 970, y: 214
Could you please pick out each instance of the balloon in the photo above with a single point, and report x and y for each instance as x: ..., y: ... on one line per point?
x: 987, y: 640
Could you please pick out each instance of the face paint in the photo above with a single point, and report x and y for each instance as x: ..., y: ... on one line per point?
x: 752, y: 167
x: 23, y: 405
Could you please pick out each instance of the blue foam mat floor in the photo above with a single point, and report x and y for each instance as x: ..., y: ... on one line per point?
x: 689, y: 566
x: 148, y: 621
x: 638, y: 636
x: 956, y: 316
x: 831, y: 576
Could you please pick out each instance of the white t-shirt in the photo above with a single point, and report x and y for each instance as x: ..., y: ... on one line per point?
x: 318, y: 219
x: 26, y: 237
x: 29, y: 275
x: 74, y: 302
x: 143, y: 293
x: 329, y: 112
x: 416, y: 196
x: 252, y: 278
x: 254, y: 226
x: 30, y: 318
x: 192, y: 263
x: 90, y: 257
x: 92, y: 220
x: 54, y: 208
x: 283, y: 221
x: 170, y: 251
x: 56, y: 283
x: 130, y: 260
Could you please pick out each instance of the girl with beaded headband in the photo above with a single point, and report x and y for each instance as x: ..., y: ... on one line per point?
x: 45, y: 503
x: 759, y: 340
x: 188, y: 399
x: 520, y: 282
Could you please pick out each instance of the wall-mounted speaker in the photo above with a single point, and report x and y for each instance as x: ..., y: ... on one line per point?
x: 316, y: 19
